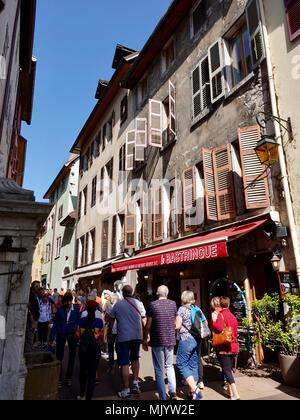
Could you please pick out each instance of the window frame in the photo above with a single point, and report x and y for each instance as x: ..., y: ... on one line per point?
x: 164, y: 65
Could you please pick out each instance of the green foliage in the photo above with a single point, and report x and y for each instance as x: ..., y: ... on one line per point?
x: 269, y: 330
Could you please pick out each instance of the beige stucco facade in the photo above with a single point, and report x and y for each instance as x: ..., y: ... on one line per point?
x: 285, y: 56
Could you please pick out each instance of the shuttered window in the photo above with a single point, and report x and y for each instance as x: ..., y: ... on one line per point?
x: 155, y: 123
x: 94, y: 191
x: 104, y: 251
x: 130, y: 149
x: 129, y: 231
x: 189, y: 198
x: 201, y: 88
x: 209, y: 183
x: 254, y: 173
x: 173, y: 219
x: 292, y: 9
x: 102, y: 182
x: 86, y: 249
x: 124, y: 109
x: 157, y: 218
x: 215, y: 59
x: 255, y: 30
x: 92, y: 246
x: 224, y: 183
x: 98, y: 143
x: 85, y: 193
x: 172, y: 108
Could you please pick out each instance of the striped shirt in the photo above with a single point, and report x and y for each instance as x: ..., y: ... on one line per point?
x: 162, y: 331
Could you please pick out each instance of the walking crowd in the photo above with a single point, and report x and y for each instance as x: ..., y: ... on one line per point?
x: 117, y: 322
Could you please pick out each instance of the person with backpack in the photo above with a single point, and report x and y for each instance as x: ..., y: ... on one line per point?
x: 187, y: 358
x: 90, y: 334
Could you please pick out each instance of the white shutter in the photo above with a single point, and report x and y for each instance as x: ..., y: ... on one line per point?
x: 215, y: 58
x: 141, y: 132
x: 196, y: 99
x: 130, y: 146
x: 256, y: 34
x: 155, y: 123
x: 172, y: 107
x: 205, y: 83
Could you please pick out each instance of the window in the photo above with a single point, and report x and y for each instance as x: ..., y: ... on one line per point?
x: 168, y: 56
x: 80, y: 206
x: 155, y: 122
x: 92, y: 246
x: 60, y: 212
x: 104, y: 139
x: 104, y: 252
x: 173, y: 218
x: 201, y: 89
x: 142, y: 91
x: 109, y: 127
x: 81, y: 166
x: 124, y: 109
x: 85, y: 192
x: 198, y: 17
x: 292, y: 9
x: 237, y: 54
x: 102, y: 182
x: 98, y: 144
x: 110, y: 170
x: 48, y: 253
x: 94, y: 191
x: 157, y: 218
x: 122, y: 164
x: 129, y: 231
x: 58, y: 247
x: 52, y: 221
x: 82, y: 251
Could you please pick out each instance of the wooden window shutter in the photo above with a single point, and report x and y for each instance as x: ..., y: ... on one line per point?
x: 104, y: 253
x: 155, y: 123
x: 209, y: 183
x: 205, y: 83
x: 196, y: 92
x: 114, y: 237
x: 215, y: 59
x: 254, y: 173
x: 157, y: 215
x: 189, y: 198
x: 292, y: 9
x: 224, y: 182
x: 130, y: 147
x: 172, y: 107
x: 140, y: 139
x: 129, y: 231
x: 256, y: 33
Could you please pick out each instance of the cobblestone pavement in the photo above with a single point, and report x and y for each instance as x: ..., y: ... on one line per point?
x: 250, y: 387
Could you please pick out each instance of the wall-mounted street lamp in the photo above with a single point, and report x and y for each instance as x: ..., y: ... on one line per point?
x: 275, y: 260
x: 267, y: 147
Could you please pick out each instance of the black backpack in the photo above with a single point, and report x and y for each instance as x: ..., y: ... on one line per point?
x: 88, y: 344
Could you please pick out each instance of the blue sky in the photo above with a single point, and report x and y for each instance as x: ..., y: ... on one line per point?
x: 75, y: 43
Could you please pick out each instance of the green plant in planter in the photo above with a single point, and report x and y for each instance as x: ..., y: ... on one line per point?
x: 269, y: 330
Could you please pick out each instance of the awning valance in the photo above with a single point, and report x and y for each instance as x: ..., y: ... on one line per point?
x: 204, y: 247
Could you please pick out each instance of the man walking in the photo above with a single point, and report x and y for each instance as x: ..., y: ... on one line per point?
x: 161, y: 319
x: 129, y: 314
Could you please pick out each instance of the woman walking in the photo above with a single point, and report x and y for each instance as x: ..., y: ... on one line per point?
x: 90, y: 332
x: 187, y: 359
x: 228, y: 351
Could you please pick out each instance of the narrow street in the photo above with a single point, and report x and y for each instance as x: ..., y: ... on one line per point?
x: 251, y: 388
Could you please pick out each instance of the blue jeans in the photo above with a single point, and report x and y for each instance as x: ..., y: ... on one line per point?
x: 163, y: 358
x: 187, y: 359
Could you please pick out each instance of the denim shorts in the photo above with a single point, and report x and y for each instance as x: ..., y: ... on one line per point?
x: 128, y: 351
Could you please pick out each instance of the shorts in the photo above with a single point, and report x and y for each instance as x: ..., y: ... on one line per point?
x: 128, y: 351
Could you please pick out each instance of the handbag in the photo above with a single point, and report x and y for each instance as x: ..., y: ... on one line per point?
x: 223, y: 338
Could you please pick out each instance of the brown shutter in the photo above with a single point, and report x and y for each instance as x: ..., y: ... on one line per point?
x: 224, y: 182
x: 157, y: 215
x: 254, y: 173
x: 129, y: 231
x: 189, y: 197
x: 209, y: 184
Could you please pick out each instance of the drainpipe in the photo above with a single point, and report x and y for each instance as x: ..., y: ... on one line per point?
x: 282, y: 161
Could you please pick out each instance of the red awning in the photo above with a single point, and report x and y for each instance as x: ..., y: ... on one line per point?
x: 210, y: 246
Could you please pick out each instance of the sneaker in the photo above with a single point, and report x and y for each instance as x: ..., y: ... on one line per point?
x: 136, y: 388
x: 80, y: 397
x: 173, y: 396
x: 124, y: 394
x: 201, y: 385
x: 233, y: 398
x: 197, y: 395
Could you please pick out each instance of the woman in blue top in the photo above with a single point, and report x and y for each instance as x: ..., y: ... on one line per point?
x: 90, y: 333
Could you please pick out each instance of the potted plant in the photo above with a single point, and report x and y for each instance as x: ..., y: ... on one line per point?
x: 279, y: 335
